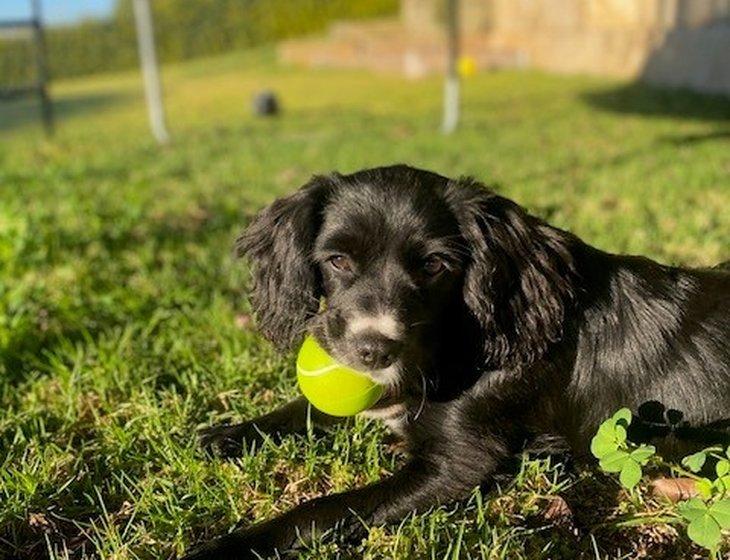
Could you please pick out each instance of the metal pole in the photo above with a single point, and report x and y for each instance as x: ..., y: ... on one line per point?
x: 42, y: 68
x: 451, y: 84
x: 150, y: 72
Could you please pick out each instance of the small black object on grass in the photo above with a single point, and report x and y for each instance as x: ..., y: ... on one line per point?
x: 266, y: 104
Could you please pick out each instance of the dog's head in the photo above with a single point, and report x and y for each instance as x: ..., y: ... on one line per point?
x: 409, y: 275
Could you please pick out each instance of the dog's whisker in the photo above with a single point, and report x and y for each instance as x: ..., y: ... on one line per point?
x: 423, y: 395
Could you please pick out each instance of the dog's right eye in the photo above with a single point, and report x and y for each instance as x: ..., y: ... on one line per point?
x: 433, y: 265
x: 341, y: 263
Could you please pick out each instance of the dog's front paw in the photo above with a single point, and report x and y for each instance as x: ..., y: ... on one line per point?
x: 228, y: 547
x: 256, y: 542
x: 228, y: 440
x: 203, y: 552
x: 216, y: 550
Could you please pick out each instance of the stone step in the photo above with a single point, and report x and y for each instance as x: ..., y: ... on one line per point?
x: 617, y: 38
x: 397, y: 52
x: 387, y: 45
x: 328, y: 53
x: 364, y: 30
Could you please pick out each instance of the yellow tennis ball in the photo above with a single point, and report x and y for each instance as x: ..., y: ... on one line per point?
x: 467, y: 66
x: 334, y: 389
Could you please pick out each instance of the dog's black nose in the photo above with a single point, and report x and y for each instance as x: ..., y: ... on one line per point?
x: 376, y: 351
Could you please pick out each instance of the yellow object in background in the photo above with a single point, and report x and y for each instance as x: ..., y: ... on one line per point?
x: 467, y: 67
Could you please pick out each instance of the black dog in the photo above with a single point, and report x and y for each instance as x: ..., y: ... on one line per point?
x: 489, y: 328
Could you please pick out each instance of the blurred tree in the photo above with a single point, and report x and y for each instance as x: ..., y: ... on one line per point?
x: 184, y: 29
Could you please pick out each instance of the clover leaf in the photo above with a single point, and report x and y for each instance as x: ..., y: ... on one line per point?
x: 622, y: 416
x: 614, y: 461
x: 692, y: 509
x: 720, y: 512
x: 708, y: 515
x: 630, y: 474
x: 705, y: 488
x: 696, y: 461
x: 706, y: 522
x: 610, y: 447
x: 722, y: 484
x: 705, y: 532
x: 643, y: 453
x: 602, y: 445
x: 611, y: 434
x: 627, y: 464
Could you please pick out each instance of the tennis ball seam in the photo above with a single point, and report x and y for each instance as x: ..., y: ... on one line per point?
x: 321, y: 371
x: 332, y: 387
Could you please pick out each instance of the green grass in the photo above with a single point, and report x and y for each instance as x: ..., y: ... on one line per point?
x: 119, y: 296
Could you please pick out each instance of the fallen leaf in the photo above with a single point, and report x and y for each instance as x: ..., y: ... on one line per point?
x: 674, y: 489
x: 557, y: 512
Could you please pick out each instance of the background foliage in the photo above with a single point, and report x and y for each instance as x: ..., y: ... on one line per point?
x: 184, y: 29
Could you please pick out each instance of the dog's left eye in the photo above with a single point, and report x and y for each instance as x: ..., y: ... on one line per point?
x: 341, y: 263
x: 433, y: 265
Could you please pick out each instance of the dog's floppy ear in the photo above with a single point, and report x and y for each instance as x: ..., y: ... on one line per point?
x: 520, y: 278
x: 278, y: 243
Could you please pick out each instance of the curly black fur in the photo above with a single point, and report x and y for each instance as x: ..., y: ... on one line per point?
x: 520, y: 278
x: 286, y: 287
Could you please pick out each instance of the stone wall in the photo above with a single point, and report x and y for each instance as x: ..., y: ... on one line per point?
x: 674, y: 42
x: 682, y: 43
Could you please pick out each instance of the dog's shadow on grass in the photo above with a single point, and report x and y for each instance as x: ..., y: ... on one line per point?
x: 648, y: 101
x: 627, y: 156
x: 651, y: 102
x: 693, y: 139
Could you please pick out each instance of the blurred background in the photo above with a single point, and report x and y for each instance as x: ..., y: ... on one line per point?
x: 124, y: 324
x: 669, y: 42
x: 675, y: 43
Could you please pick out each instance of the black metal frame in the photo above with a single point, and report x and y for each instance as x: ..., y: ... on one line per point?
x: 40, y: 87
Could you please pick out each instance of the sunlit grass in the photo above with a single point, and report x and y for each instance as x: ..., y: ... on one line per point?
x: 119, y: 294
